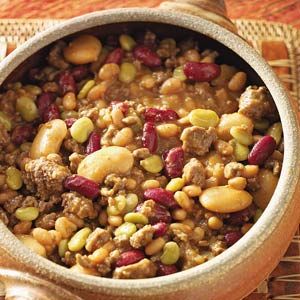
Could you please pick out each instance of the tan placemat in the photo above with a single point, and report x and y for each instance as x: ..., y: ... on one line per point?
x: 280, y: 46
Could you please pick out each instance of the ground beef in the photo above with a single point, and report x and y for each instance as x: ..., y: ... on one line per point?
x: 4, y: 137
x: 253, y: 184
x: 122, y: 243
x: 46, y: 221
x: 147, y: 208
x: 273, y: 165
x: 104, y: 268
x: 197, y: 140
x: 113, y: 184
x: 142, y: 269
x: 217, y: 247
x: 20, y: 201
x: 190, y: 256
x: 78, y: 205
x: 47, y: 206
x: 44, y: 177
x: 256, y: 103
x: 106, y: 139
x: 72, y: 146
x: 142, y: 237
x: 233, y: 169
x: 194, y: 172
x: 55, y: 57
x: 97, y: 239
x: 75, y: 159
x: 3, y: 217
x: 12, y: 157
x: 137, y: 174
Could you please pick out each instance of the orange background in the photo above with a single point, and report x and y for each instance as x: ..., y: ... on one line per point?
x: 286, y: 11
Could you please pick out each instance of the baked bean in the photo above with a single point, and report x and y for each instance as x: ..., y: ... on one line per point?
x: 192, y: 190
x: 179, y: 214
x: 155, y: 246
x: 65, y: 227
x: 69, y: 101
x: 32, y: 244
x: 117, y: 116
x: 167, y: 130
x: 214, y: 223
x: 171, y: 86
x: 238, y: 183
x: 237, y: 82
x: 183, y: 200
x: 150, y: 184
x: 123, y: 137
x: 109, y: 71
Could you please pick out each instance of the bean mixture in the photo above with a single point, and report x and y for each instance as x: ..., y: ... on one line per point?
x: 134, y: 156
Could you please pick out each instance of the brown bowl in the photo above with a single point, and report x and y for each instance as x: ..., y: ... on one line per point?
x: 231, y: 275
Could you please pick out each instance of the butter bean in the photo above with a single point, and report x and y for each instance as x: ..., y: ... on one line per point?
x: 203, y: 118
x: 48, y: 139
x: 227, y: 121
x: 108, y: 160
x: 268, y: 182
x: 136, y: 218
x: 81, y: 129
x: 225, y: 199
x: 126, y: 228
x: 83, y: 50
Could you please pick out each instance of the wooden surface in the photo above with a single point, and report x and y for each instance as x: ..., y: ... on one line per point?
x: 286, y: 11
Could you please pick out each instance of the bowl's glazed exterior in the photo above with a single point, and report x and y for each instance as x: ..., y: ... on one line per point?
x: 231, y: 275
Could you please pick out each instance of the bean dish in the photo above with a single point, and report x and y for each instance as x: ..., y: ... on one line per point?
x: 135, y: 156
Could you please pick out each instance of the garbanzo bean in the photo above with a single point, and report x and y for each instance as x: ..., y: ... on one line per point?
x: 109, y: 71
x: 48, y: 139
x: 83, y: 50
x: 81, y: 129
x: 225, y: 199
x: 167, y: 130
x: 32, y: 244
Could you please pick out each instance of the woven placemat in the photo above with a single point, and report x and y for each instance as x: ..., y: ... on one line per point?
x: 279, y: 44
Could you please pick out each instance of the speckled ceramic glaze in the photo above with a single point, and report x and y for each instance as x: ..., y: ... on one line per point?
x: 231, y: 275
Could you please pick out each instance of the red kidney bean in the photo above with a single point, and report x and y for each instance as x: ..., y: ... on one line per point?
x: 159, y: 214
x: 44, y: 101
x: 232, y: 237
x: 79, y: 72
x: 115, y: 57
x: 149, y: 138
x: 146, y: 56
x: 241, y: 217
x: 160, y: 115
x: 22, y: 134
x: 262, y: 150
x: 122, y: 105
x: 93, y: 143
x: 66, y: 82
x: 70, y: 121
x: 130, y: 257
x: 82, y: 185
x: 198, y: 71
x: 163, y: 270
x: 174, y: 162
x: 161, y: 196
x: 160, y: 229
x: 51, y: 113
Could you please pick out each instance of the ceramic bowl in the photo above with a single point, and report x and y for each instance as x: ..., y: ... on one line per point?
x: 231, y: 275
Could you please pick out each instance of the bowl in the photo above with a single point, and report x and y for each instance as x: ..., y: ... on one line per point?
x: 231, y: 275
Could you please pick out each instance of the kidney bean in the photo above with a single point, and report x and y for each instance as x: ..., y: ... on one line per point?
x: 115, y: 57
x: 22, y: 134
x: 160, y: 115
x: 51, y: 113
x: 66, y: 82
x: 240, y: 217
x: 161, y: 196
x: 82, y: 185
x: 198, y: 71
x: 149, y: 138
x: 232, y: 237
x: 122, y: 105
x: 163, y: 270
x: 44, y: 101
x: 93, y: 143
x: 70, y: 121
x: 130, y: 257
x: 79, y: 72
x: 160, y: 229
x: 174, y: 162
x: 146, y: 56
x: 262, y: 150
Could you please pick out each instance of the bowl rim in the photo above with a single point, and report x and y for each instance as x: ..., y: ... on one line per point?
x: 259, y: 233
